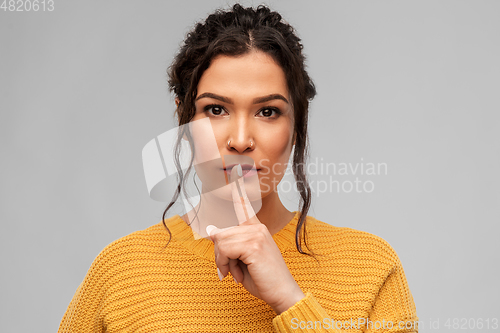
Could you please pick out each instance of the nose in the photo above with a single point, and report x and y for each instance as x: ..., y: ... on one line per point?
x: 240, y: 135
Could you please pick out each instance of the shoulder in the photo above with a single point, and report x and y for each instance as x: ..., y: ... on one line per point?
x: 120, y: 260
x: 140, y: 243
x: 347, y: 240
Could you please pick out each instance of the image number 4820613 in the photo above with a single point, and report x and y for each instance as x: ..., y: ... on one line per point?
x: 27, y: 5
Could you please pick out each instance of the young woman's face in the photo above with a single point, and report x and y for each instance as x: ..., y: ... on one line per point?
x: 247, y: 100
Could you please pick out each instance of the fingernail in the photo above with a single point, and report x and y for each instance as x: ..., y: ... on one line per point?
x: 219, y: 274
x: 235, y: 280
x: 239, y: 170
x: 210, y: 228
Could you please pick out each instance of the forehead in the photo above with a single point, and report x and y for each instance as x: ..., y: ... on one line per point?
x: 255, y: 73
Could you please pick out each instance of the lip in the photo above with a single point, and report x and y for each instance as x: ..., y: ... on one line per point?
x: 248, y: 170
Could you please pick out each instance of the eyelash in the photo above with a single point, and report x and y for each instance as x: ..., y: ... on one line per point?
x: 276, y: 110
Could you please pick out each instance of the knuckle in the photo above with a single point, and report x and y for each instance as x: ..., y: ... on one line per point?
x: 262, y: 235
x: 221, y: 249
x: 256, y: 246
x: 262, y: 228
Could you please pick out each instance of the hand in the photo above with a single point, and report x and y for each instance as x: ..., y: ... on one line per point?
x: 249, y: 252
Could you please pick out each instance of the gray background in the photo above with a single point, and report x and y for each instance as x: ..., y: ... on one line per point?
x: 413, y: 84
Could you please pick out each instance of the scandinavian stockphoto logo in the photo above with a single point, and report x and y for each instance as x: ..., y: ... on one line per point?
x: 209, y: 193
x: 337, y: 177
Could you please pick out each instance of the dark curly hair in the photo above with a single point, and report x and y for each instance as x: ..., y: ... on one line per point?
x: 236, y: 32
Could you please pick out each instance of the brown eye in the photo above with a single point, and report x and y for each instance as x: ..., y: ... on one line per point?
x: 268, y: 112
x: 216, y: 110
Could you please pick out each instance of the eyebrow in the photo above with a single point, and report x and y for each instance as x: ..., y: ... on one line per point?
x: 230, y: 101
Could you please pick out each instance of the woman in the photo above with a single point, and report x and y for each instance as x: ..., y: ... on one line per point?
x: 243, y: 69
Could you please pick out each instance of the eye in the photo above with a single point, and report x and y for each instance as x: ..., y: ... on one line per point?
x: 268, y: 112
x: 217, y: 110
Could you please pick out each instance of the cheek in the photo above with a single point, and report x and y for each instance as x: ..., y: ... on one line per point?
x: 204, y: 140
x: 277, y: 148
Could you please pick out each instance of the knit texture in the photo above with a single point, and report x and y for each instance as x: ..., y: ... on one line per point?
x: 136, y: 284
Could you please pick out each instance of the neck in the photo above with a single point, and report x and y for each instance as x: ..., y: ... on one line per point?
x: 273, y: 213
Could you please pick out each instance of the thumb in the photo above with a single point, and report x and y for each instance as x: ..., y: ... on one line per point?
x: 212, y: 230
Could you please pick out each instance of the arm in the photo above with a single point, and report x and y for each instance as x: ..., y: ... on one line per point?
x: 307, y: 315
x: 393, y: 307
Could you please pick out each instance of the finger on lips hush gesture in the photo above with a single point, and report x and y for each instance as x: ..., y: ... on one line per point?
x: 249, y: 252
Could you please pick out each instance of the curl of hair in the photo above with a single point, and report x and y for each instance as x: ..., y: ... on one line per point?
x: 232, y: 33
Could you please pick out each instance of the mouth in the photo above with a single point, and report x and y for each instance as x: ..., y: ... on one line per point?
x: 248, y: 169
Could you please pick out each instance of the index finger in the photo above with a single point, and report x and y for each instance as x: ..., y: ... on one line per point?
x: 243, y: 208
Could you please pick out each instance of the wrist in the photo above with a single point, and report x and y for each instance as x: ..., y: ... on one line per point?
x: 289, y: 301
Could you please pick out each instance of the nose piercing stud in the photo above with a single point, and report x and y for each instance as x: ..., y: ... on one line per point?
x: 229, y: 144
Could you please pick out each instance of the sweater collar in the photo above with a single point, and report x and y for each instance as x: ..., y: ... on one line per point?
x: 204, y: 247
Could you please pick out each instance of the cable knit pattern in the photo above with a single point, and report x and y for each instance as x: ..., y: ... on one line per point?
x: 136, y: 284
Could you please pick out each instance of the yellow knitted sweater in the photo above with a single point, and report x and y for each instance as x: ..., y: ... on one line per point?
x: 136, y: 284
